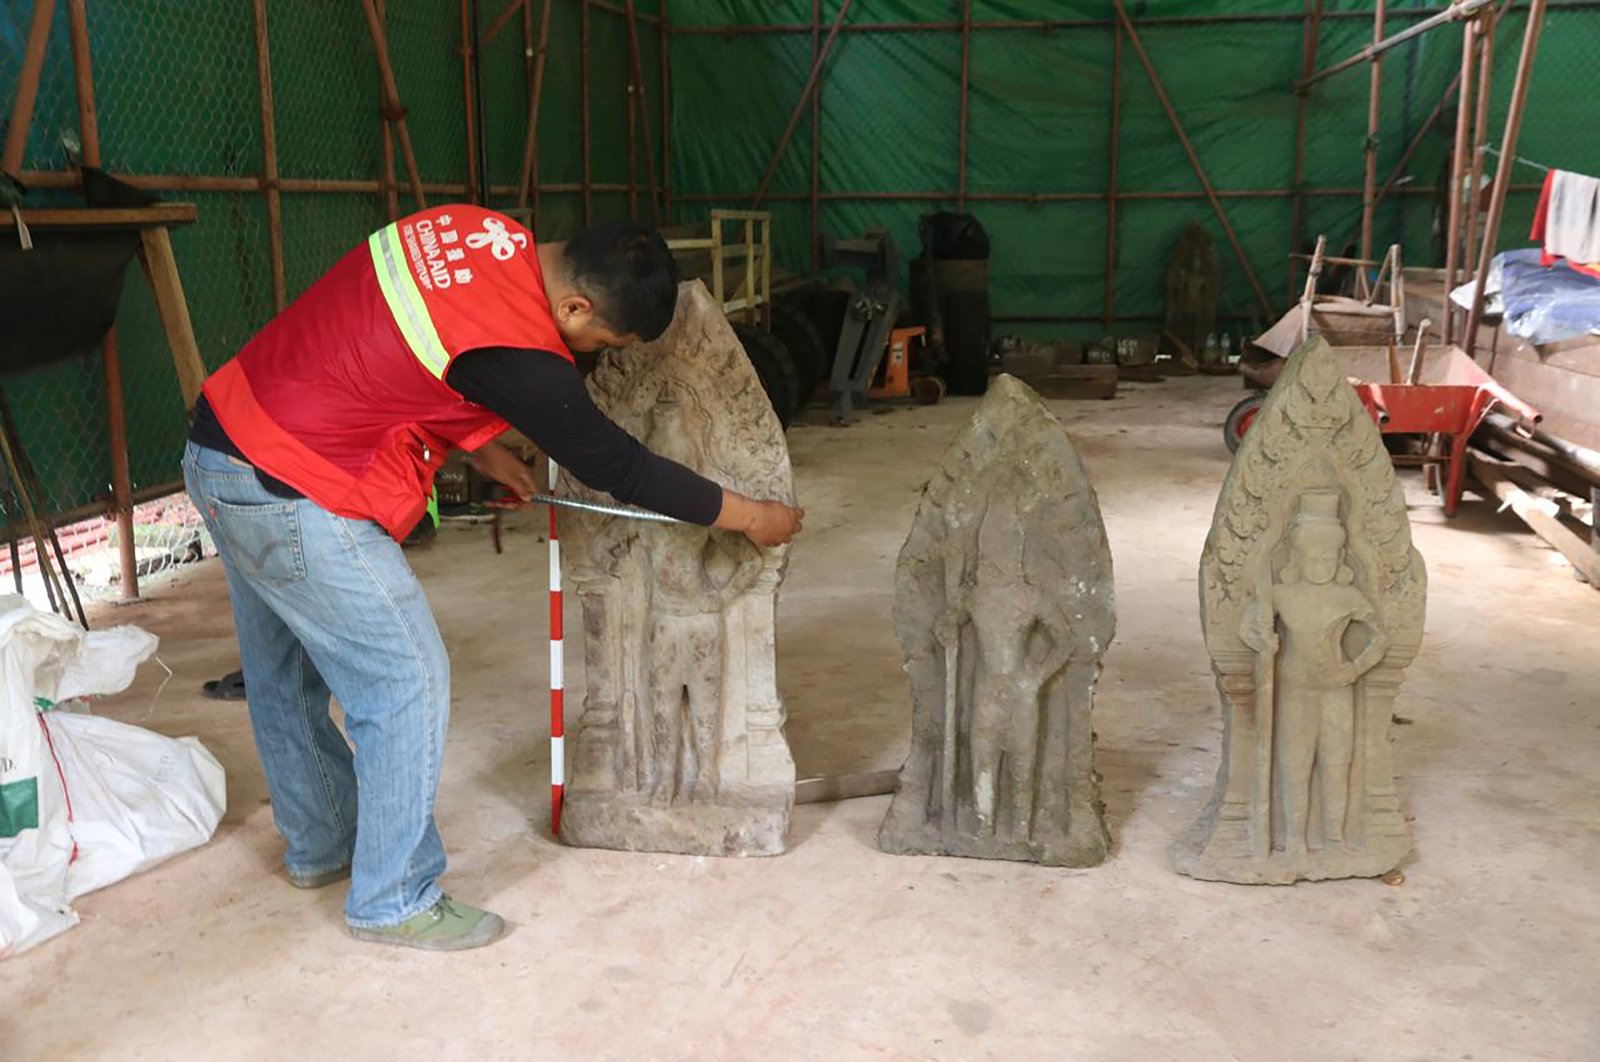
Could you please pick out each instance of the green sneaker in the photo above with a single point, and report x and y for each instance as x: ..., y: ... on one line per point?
x: 446, y: 926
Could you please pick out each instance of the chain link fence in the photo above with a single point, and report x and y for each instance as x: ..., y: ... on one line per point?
x: 179, y: 102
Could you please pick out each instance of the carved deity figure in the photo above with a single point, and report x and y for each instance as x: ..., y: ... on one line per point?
x: 1312, y: 599
x: 1003, y: 605
x: 680, y: 747
x: 1315, y: 607
x: 693, y: 573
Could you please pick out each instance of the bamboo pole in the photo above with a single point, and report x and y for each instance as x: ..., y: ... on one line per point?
x: 1369, y: 196
x: 27, y: 87
x: 966, y: 91
x: 1454, y: 13
x: 1502, y: 176
x: 644, y: 112
x: 269, y: 157
x: 633, y: 146
x: 805, y: 93
x: 666, y: 114
x: 391, y: 100
x: 111, y: 353
x: 528, y: 182
x: 583, y: 106
x: 1311, y: 41
x: 469, y: 104
x: 816, y: 143
x: 1458, y: 167
x: 1194, y: 159
x: 1052, y: 25
x: 1112, y: 151
x: 503, y: 19
x: 1480, y: 134
x: 386, y: 182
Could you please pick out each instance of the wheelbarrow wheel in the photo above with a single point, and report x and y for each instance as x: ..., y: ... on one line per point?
x: 1240, y: 417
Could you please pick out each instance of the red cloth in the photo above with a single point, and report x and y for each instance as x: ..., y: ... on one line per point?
x: 329, y: 397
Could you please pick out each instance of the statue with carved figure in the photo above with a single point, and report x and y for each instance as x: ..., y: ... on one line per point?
x: 1312, y: 600
x: 680, y: 746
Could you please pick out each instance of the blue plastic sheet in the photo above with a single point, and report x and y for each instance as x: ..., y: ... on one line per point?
x: 1546, y: 304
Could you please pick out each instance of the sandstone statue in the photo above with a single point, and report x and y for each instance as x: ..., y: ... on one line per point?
x: 680, y: 746
x: 1003, y: 606
x: 1312, y: 600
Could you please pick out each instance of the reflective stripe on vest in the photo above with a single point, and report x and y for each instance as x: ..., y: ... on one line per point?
x: 400, y: 291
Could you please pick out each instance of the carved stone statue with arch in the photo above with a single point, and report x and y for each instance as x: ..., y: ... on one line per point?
x: 680, y: 747
x: 1312, y: 599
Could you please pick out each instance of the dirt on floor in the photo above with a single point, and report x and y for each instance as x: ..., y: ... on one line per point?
x: 1489, y: 950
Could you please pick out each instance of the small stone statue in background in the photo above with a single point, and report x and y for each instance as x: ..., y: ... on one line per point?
x: 1003, y: 605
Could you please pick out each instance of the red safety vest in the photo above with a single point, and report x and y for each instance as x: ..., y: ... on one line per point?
x: 342, y: 395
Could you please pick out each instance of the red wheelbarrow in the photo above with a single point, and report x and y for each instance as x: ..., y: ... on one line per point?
x: 1448, y: 400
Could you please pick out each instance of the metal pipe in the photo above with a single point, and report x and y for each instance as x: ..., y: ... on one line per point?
x: 528, y: 182
x: 966, y: 87
x: 1111, y: 178
x: 1194, y: 159
x: 1580, y: 459
x: 1311, y: 41
x: 1502, y: 177
x: 1380, y: 44
x: 805, y: 93
x: 269, y: 156
x: 111, y: 355
x: 1458, y: 164
x: 1041, y: 198
x: 1369, y: 194
x: 27, y: 87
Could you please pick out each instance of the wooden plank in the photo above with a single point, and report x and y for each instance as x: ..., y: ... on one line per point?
x: 155, y: 252
x: 139, y: 217
x: 1540, y: 516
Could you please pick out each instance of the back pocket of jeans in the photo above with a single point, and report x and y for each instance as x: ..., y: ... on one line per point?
x: 263, y: 541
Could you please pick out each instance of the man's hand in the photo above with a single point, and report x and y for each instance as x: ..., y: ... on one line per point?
x: 504, y: 467
x: 766, y: 523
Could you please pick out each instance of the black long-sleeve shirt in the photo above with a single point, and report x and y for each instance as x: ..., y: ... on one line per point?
x: 542, y: 395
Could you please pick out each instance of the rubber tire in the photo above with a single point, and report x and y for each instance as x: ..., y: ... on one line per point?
x: 966, y: 342
x: 1240, y: 417
x: 804, y: 342
x: 774, y: 368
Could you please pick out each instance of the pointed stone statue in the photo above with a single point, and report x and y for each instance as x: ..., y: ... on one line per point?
x: 680, y: 747
x: 1312, y: 600
x: 1003, y: 606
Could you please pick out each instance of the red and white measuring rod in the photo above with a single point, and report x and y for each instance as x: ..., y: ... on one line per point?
x: 558, y: 712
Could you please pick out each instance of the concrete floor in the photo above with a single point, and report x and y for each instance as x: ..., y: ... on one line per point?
x: 836, y: 951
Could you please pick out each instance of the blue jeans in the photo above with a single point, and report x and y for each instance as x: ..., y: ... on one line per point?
x: 325, y: 605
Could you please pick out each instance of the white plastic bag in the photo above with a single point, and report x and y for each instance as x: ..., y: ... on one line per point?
x: 84, y: 801
x: 138, y: 798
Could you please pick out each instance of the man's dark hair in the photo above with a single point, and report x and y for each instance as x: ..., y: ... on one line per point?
x: 627, y: 271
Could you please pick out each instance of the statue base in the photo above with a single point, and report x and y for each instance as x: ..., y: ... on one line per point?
x: 755, y: 823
